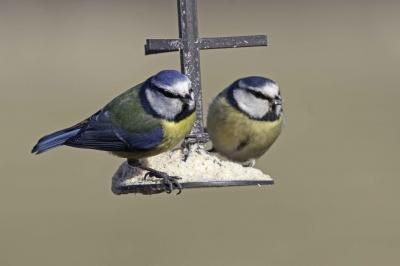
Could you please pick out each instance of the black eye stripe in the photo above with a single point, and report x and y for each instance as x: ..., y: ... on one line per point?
x: 169, y: 94
x: 260, y: 95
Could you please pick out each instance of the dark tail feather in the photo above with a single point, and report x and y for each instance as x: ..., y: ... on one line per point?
x: 55, y: 139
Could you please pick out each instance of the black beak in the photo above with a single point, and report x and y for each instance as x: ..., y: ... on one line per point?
x: 277, y: 101
x: 188, y: 98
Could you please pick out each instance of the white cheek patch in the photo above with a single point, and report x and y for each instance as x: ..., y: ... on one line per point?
x: 251, y: 105
x: 165, y: 107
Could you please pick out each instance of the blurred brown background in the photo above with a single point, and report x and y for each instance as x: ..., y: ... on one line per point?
x: 336, y: 198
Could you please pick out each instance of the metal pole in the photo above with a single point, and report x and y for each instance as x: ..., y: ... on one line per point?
x: 190, y: 62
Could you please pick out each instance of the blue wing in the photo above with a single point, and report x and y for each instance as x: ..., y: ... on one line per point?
x: 98, y: 132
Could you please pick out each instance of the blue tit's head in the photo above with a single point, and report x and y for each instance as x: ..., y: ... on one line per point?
x: 257, y: 97
x: 169, y: 95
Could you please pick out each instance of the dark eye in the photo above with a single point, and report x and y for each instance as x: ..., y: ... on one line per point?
x: 168, y: 94
x: 259, y: 95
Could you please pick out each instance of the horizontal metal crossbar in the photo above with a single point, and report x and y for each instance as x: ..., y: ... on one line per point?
x: 155, y: 46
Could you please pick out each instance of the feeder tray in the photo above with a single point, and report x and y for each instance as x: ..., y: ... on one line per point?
x: 200, y: 170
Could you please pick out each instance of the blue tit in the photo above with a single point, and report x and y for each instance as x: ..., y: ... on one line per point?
x: 245, y: 119
x: 146, y: 120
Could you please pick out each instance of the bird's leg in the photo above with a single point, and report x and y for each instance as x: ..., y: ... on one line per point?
x: 189, y: 141
x: 198, y: 138
x: 168, y: 181
x: 249, y: 163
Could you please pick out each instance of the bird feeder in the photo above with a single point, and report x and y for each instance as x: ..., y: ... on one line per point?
x: 196, y: 167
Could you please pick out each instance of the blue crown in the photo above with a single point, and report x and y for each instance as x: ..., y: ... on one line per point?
x: 255, y: 82
x: 168, y: 78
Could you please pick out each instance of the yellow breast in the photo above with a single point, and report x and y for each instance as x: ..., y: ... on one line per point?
x: 174, y: 132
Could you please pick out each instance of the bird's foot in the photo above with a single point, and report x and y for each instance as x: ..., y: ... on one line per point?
x: 169, y: 182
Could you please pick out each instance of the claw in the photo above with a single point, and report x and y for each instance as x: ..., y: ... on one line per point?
x: 169, y: 182
x: 146, y: 175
